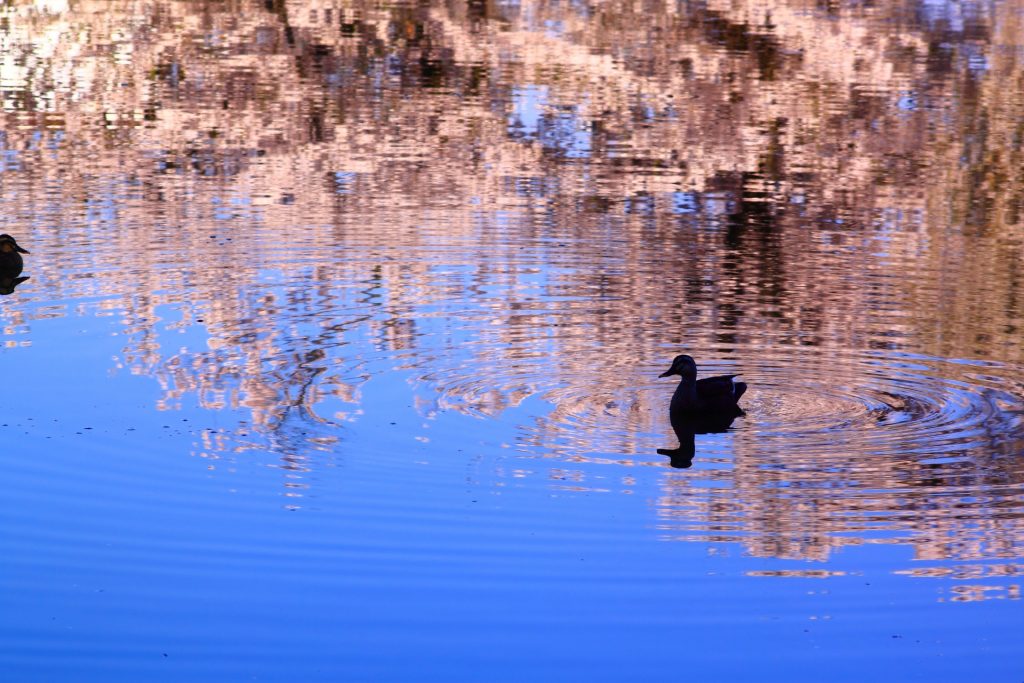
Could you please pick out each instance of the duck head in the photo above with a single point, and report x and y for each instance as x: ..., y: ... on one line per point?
x: 8, y: 245
x: 682, y: 365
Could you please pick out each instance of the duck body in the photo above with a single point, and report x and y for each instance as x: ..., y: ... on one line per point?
x: 11, y: 262
x: 718, y: 394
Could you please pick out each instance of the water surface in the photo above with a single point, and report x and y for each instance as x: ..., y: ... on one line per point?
x: 338, y: 354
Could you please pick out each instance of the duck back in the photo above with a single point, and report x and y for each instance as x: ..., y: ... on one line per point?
x: 719, y: 393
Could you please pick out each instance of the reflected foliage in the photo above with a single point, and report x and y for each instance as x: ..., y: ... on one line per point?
x: 285, y: 201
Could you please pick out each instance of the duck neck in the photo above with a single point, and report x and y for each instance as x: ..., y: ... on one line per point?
x: 686, y: 393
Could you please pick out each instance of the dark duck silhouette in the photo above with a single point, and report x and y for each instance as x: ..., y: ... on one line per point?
x: 10, y: 264
x: 717, y: 394
x: 705, y: 406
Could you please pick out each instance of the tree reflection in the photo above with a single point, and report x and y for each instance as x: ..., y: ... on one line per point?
x: 508, y: 201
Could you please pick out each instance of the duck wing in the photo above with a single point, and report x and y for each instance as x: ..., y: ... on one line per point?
x: 720, y: 386
x: 720, y: 393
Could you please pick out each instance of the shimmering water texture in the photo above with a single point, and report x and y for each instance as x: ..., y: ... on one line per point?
x: 335, y: 353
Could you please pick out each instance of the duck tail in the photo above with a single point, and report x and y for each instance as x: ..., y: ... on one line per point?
x: 738, y: 388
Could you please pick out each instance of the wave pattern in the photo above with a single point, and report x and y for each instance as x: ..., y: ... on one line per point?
x: 876, y: 404
x: 888, y: 404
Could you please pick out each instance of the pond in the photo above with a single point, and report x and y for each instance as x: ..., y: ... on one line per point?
x: 335, y: 352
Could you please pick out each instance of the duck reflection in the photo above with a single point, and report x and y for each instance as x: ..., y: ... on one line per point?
x: 687, y: 425
x: 7, y: 284
x: 11, y: 264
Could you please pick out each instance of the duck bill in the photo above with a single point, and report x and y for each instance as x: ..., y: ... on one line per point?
x: 19, y: 249
x: 667, y: 373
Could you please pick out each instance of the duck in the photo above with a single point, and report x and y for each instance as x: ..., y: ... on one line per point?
x: 718, y: 394
x: 11, y: 262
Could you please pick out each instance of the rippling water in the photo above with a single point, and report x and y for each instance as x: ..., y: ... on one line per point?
x: 336, y: 353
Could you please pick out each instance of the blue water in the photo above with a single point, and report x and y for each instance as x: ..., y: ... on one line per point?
x: 338, y: 354
x: 133, y: 551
